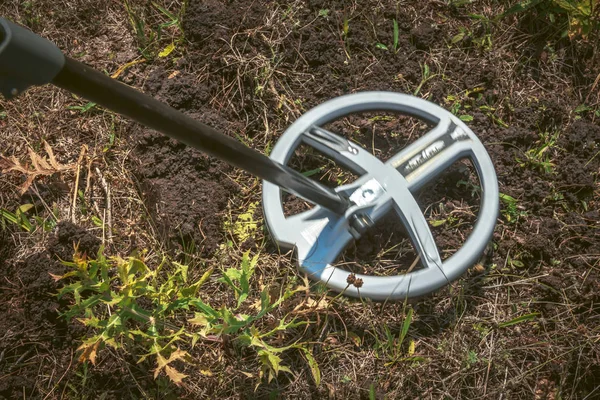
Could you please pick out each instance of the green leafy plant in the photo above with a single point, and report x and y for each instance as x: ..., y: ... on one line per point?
x: 344, y: 35
x: 396, y: 35
x: 83, y: 108
x: 471, y: 359
x: 540, y: 157
x: 324, y: 12
x: 425, y: 76
x: 20, y: 219
x: 490, y: 112
x: 245, y: 226
x: 345, y: 27
x: 462, y: 103
x: 393, y: 347
x: 482, y: 40
x: 130, y: 306
x: 538, y: 160
x: 172, y: 21
x: 151, y: 36
x: 511, y: 210
x: 450, y: 220
x: 144, y: 39
x: 575, y: 18
x: 456, y: 104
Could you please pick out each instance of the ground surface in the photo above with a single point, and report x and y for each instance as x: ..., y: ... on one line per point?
x: 522, y: 324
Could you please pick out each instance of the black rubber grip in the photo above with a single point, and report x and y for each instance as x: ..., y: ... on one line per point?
x: 26, y: 59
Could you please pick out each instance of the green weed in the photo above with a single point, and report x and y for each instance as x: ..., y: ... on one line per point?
x: 539, y: 157
x: 18, y: 218
x: 519, y: 320
x: 112, y: 135
x: 245, y: 226
x: 393, y: 348
x: 574, y: 18
x: 395, y: 36
x: 344, y: 35
x: 511, y: 211
x: 162, y: 35
x: 425, y: 76
x: 483, y: 40
x: 21, y: 220
x: 462, y: 103
x: 83, y: 108
x: 152, y: 313
x: 472, y: 358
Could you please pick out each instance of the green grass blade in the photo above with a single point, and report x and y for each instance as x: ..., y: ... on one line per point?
x: 314, y: 367
x: 372, y: 394
x: 167, y: 13
x: 396, y: 34
x: 312, y: 172
x: 10, y: 217
x: 518, y: 320
x: 405, y: 326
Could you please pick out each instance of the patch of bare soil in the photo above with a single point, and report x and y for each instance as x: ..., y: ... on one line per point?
x: 186, y: 193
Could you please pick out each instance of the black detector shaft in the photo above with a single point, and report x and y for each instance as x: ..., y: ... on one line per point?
x: 27, y: 59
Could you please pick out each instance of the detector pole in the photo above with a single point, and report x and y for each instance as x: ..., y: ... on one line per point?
x: 27, y: 59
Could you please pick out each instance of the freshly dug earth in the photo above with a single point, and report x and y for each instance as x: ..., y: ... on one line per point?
x: 250, y: 69
x: 186, y: 192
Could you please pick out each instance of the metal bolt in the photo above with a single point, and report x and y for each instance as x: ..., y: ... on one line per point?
x: 359, y: 223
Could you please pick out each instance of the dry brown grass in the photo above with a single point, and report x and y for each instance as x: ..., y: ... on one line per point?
x: 457, y: 346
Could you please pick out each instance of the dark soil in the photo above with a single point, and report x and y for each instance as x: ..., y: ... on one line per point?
x: 186, y: 193
x: 30, y: 323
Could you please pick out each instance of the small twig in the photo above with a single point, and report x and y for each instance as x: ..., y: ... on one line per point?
x: 88, y: 180
x: 443, y: 381
x: 592, y: 89
x: 61, y: 378
x: 74, y: 203
x: 18, y: 362
x: 108, y: 219
x: 37, y: 193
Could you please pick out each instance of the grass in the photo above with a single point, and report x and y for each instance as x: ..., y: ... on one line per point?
x: 574, y: 18
x: 243, y: 321
x: 540, y: 157
x: 160, y: 34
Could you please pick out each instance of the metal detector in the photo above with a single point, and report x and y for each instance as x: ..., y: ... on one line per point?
x: 339, y: 215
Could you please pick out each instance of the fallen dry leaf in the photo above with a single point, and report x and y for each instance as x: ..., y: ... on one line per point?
x: 89, y: 352
x: 40, y: 166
